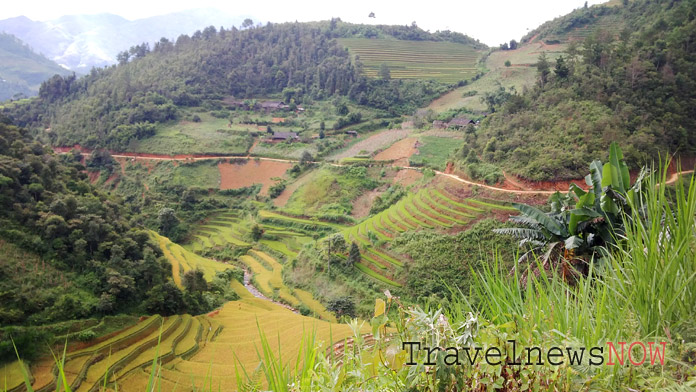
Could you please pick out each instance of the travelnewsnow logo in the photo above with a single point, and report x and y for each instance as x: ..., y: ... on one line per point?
x: 621, y: 353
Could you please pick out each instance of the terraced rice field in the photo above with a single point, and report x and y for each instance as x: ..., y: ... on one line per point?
x: 442, y: 61
x: 221, y: 229
x: 183, y: 260
x: 611, y: 24
x: 281, y: 240
x: 192, y: 351
x: 427, y: 209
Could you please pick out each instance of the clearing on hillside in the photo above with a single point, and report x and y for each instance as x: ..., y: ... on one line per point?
x: 237, y: 175
x: 519, y: 74
x: 399, y: 152
x: 446, y: 62
x: 371, y: 143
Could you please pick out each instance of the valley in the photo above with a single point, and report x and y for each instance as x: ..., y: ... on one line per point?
x: 282, y: 206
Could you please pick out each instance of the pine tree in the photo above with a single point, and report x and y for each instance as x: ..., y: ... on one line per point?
x: 353, y: 254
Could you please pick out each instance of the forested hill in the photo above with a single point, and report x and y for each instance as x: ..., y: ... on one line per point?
x: 301, y: 60
x: 636, y: 86
x: 68, y: 250
x: 22, y: 70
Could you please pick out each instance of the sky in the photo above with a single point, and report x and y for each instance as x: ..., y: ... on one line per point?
x: 491, y: 21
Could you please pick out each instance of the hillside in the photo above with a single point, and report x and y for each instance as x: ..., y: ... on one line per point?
x: 220, y: 71
x: 22, y: 70
x: 635, y: 88
x: 81, y: 42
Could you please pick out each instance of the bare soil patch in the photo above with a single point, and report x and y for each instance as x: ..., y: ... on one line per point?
x: 372, y: 143
x: 244, y: 174
x: 407, y: 177
x: 362, y: 205
x: 399, y: 152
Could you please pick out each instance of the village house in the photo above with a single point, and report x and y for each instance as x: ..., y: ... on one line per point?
x: 283, y: 137
x: 460, y: 122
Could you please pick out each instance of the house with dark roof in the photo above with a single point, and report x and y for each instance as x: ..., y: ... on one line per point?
x: 460, y: 122
x: 284, y: 136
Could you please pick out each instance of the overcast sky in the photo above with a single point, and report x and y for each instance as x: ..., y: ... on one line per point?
x: 491, y: 21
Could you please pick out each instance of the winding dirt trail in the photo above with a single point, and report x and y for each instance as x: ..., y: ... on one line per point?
x: 672, y: 179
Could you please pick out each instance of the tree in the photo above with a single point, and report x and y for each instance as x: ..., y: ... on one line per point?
x: 322, y: 134
x: 122, y: 57
x: 384, y: 72
x: 165, y: 299
x: 580, y: 224
x: 306, y: 158
x: 247, y: 23
x: 508, y: 63
x: 342, y: 306
x: 504, y: 46
x: 322, y: 125
x: 194, y: 281
x: 269, y: 130
x: 338, y: 242
x: 167, y: 221
x: 256, y: 232
x: 353, y: 254
x: 543, y: 69
x: 561, y: 69
x: 513, y: 44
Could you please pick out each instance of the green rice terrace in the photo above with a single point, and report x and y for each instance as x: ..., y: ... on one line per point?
x: 442, y: 61
x: 434, y: 208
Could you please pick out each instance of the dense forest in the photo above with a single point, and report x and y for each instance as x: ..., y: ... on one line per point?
x: 69, y: 249
x: 636, y: 86
x: 112, y: 106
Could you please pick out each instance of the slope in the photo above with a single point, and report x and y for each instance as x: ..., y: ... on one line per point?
x: 22, y: 70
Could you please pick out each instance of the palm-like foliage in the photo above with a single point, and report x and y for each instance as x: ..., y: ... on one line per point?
x: 580, y: 223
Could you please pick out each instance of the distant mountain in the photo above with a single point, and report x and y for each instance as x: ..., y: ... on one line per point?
x: 80, y: 42
x: 21, y: 69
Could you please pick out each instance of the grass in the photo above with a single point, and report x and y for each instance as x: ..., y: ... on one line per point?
x: 285, y: 218
x: 366, y: 270
x: 434, y: 152
x: 520, y: 74
x: 442, y: 61
x: 209, y: 136
x: 426, y: 209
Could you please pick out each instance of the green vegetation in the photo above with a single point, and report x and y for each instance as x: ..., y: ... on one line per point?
x: 209, y: 135
x: 448, y: 62
x: 22, y: 69
x: 331, y: 191
x: 82, y: 237
x: 607, y: 89
x: 433, y: 152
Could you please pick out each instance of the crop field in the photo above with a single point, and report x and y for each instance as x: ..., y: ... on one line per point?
x: 368, y: 145
x: 519, y: 74
x: 209, y: 136
x: 446, y: 62
x: 611, y: 24
x: 227, y: 228
x: 433, y: 151
x: 192, y: 350
x: 237, y: 175
x: 183, y: 260
x: 399, y: 152
x: 433, y: 208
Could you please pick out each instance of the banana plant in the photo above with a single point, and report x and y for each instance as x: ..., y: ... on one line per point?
x: 580, y: 223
